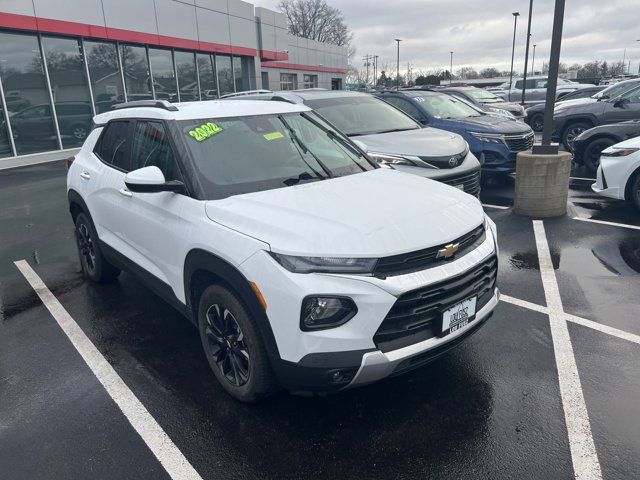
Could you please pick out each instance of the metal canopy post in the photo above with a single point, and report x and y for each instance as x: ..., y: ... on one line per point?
x: 554, y: 60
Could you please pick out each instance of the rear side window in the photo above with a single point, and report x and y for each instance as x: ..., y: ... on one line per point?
x: 151, y: 148
x: 113, y: 145
x: 407, y: 108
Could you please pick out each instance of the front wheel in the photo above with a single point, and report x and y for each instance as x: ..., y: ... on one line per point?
x: 233, y: 345
x: 591, y: 155
x: 634, y: 191
x: 536, y: 122
x: 571, y: 132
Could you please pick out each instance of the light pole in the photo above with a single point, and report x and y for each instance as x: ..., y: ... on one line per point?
x: 513, y: 50
x: 526, y: 52
x: 533, y: 60
x: 375, y: 71
x: 398, y: 65
x: 451, y: 69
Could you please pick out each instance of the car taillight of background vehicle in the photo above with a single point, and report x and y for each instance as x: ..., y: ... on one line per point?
x: 70, y: 161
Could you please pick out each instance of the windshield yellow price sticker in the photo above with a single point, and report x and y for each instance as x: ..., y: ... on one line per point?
x: 273, y: 136
x: 205, y: 131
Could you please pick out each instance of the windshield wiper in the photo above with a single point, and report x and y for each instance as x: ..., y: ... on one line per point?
x: 305, y: 149
x: 336, y: 138
x: 398, y: 130
x: 304, y: 176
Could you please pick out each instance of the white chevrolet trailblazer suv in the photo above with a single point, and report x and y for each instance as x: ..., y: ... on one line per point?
x: 304, y: 265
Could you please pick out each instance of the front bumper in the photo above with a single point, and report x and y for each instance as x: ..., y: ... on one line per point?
x: 612, y: 177
x: 496, y: 158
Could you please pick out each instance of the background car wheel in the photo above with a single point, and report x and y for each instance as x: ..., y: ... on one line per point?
x: 94, y: 266
x: 571, y: 132
x: 634, y: 191
x: 233, y: 345
x: 591, y: 155
x: 536, y: 122
x: 79, y: 132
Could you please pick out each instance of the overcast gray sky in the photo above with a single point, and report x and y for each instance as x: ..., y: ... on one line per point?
x: 480, y: 32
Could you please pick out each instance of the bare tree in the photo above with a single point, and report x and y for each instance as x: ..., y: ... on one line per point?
x: 317, y: 20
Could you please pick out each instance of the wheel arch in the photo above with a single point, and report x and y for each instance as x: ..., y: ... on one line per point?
x: 590, y: 119
x: 202, y: 268
x: 629, y: 184
x: 77, y: 205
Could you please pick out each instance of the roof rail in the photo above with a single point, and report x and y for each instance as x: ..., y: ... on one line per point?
x: 247, y: 92
x: 147, y: 103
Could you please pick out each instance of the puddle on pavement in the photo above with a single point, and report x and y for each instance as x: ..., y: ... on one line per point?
x: 529, y: 260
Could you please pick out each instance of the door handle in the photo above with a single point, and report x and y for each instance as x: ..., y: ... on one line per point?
x: 85, y: 175
x: 125, y: 192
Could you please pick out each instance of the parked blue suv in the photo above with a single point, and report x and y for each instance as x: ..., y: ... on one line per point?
x: 494, y: 140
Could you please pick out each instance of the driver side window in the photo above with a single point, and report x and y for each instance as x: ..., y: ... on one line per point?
x: 151, y: 148
x: 632, y: 97
x: 407, y: 108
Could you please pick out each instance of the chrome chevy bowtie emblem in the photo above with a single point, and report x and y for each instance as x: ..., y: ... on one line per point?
x: 448, y: 251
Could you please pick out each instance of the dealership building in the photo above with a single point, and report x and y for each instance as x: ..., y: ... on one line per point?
x: 63, y: 61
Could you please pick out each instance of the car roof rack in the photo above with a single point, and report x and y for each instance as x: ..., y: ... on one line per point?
x: 247, y: 92
x: 147, y: 103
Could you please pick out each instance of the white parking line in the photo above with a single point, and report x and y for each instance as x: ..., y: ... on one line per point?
x: 173, y: 461
x: 613, y: 224
x: 499, y: 207
x: 615, y: 332
x: 583, y: 451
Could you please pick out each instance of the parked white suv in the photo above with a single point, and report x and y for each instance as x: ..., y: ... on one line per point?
x: 304, y: 264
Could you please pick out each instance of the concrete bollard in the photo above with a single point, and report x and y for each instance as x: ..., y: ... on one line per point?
x: 542, y: 184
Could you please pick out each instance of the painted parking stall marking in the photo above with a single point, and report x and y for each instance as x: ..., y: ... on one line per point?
x: 603, y: 222
x: 169, y: 456
x: 586, y: 465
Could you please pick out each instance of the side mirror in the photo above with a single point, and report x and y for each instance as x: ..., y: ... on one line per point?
x: 151, y: 180
x: 361, y: 145
x: 621, y: 103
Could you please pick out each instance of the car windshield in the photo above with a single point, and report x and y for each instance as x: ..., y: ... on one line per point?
x: 445, y: 106
x: 483, y: 96
x: 362, y: 115
x: 248, y: 154
x: 615, y: 90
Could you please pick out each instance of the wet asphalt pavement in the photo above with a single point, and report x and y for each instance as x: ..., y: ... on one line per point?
x: 489, y: 409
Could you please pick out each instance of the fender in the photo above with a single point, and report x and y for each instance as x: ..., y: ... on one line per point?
x: 202, y: 264
x: 77, y: 204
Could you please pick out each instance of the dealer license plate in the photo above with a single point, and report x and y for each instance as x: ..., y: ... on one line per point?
x: 458, y: 316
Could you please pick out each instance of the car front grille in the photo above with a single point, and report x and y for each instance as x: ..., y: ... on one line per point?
x: 417, y: 315
x: 428, y: 257
x: 519, y: 143
x: 469, y: 181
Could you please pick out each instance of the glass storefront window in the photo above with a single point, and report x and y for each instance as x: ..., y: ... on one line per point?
x: 187, y: 80
x: 104, y: 73
x: 207, y: 73
x: 225, y: 74
x: 164, y: 78
x: 70, y: 89
x: 311, y: 81
x: 5, y: 144
x: 241, y: 69
x: 288, y: 81
x: 136, y: 73
x: 26, y: 94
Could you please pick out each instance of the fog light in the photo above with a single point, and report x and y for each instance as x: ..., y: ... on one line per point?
x: 319, y: 313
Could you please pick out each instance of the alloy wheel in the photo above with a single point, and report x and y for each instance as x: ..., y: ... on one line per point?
x: 572, y: 134
x: 227, y: 345
x: 86, y: 247
x: 80, y: 133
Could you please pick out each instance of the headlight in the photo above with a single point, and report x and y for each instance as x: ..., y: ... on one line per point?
x: 619, y: 152
x: 501, y: 111
x: 390, y: 160
x: 319, y: 313
x: 560, y: 110
x: 488, y: 137
x: 325, y: 264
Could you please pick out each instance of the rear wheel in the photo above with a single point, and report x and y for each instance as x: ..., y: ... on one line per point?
x: 536, y: 122
x: 571, y: 132
x: 94, y: 266
x: 591, y: 155
x: 233, y: 345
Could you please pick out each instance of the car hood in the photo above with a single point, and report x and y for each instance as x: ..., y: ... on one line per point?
x: 576, y: 101
x: 423, y: 142
x: 372, y: 214
x: 629, y: 143
x: 493, y: 124
x: 509, y: 106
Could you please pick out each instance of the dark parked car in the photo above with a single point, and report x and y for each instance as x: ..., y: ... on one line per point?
x: 494, y: 140
x: 588, y: 146
x: 485, y: 100
x: 571, y: 119
x: 534, y: 116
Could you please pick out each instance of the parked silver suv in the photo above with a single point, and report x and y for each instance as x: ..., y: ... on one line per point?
x: 390, y: 136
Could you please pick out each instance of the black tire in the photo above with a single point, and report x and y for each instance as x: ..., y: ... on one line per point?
x: 94, y: 266
x: 633, y: 194
x: 536, y: 122
x: 571, y: 131
x: 233, y: 345
x: 591, y: 155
